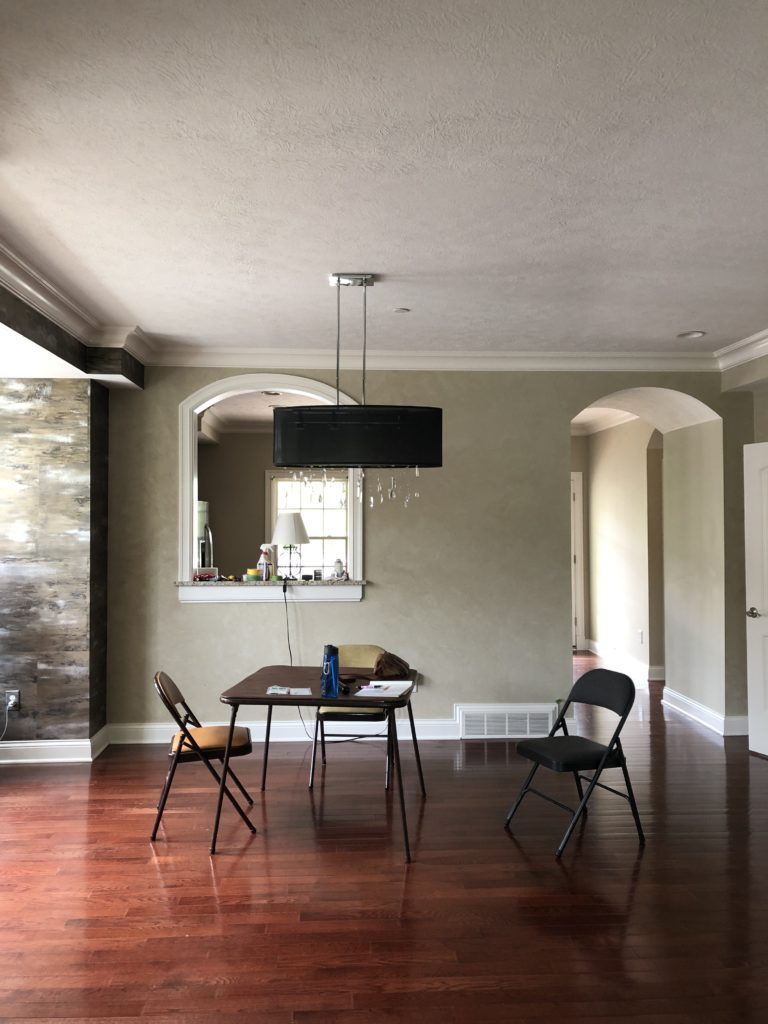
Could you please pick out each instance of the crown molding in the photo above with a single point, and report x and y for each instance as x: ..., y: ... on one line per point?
x: 37, y: 291
x: 323, y: 359
x: 744, y: 351
x: 140, y: 345
x: 34, y: 288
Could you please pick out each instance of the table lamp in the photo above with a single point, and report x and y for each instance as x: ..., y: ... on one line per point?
x: 290, y: 532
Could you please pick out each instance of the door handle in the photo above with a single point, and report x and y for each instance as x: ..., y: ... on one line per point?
x: 753, y: 613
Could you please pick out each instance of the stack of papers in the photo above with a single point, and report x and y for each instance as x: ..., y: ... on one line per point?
x: 285, y: 691
x: 390, y: 688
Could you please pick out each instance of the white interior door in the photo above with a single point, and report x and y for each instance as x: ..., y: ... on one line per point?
x: 756, y: 550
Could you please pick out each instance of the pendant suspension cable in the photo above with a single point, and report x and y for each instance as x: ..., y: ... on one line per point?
x: 338, y: 335
x: 365, y: 330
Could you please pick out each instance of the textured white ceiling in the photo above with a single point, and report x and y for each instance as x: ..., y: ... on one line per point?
x: 543, y: 176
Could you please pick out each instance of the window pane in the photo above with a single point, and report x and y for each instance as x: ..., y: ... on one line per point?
x: 335, y: 549
x: 335, y: 523
x: 288, y: 495
x: 312, y: 556
x: 313, y: 520
x: 336, y: 494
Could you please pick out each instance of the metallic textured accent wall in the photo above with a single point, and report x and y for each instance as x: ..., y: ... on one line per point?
x: 52, y: 560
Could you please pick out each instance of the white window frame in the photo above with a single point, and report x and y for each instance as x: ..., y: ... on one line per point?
x: 189, y: 411
x: 354, y: 513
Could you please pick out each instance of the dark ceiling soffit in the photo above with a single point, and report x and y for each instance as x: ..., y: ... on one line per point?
x: 31, y: 324
x: 114, y: 361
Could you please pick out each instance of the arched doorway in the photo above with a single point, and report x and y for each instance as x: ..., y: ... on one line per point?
x: 692, y: 524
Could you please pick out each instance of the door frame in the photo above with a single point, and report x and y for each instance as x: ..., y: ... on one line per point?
x: 578, y: 630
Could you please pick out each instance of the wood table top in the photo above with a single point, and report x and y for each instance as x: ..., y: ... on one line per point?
x: 253, y: 688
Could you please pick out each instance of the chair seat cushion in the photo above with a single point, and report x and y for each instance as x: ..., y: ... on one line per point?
x: 213, y: 739
x: 566, y: 753
x: 331, y: 714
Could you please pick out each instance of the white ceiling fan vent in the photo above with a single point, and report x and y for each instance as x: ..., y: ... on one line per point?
x: 504, y: 721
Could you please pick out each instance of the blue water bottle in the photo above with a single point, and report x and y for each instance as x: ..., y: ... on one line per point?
x: 329, y: 681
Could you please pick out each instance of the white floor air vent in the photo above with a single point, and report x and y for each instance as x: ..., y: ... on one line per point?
x: 504, y: 721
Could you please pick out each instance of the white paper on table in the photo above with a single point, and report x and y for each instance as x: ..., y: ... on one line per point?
x: 392, y: 688
x: 300, y: 691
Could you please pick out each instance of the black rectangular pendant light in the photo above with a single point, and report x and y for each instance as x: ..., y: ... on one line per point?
x: 365, y: 436
x: 351, y: 436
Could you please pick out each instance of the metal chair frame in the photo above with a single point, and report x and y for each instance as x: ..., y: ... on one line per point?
x: 384, y: 716
x: 187, y: 749
x: 612, y: 757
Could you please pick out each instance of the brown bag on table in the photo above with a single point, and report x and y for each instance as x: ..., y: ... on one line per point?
x: 389, y: 666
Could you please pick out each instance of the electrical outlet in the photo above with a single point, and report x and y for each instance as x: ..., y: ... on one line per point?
x: 13, y: 699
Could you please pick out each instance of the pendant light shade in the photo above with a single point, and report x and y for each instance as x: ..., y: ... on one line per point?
x: 357, y: 436
x: 365, y: 436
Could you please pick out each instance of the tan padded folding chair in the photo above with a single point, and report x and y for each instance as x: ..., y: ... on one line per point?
x: 196, y: 742
x: 350, y: 656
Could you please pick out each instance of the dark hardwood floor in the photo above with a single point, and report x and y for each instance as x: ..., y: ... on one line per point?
x: 316, y: 919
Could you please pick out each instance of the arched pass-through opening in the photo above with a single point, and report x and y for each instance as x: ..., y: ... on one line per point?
x: 189, y: 411
x: 693, y: 539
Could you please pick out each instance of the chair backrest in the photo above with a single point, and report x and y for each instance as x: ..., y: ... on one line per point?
x: 358, y: 655
x: 172, y: 698
x: 604, y: 688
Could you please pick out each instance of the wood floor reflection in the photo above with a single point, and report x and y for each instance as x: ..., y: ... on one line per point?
x: 317, y: 919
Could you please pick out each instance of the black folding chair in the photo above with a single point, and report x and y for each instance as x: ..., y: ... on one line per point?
x: 196, y: 742
x: 601, y: 688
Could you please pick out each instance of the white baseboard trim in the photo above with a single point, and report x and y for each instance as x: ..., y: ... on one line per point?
x: 290, y: 732
x: 45, y: 751
x: 723, y: 725
x: 99, y: 742
x: 638, y: 671
x: 283, y: 731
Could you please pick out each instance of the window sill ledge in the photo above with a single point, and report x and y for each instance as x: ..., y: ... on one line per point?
x: 298, y: 590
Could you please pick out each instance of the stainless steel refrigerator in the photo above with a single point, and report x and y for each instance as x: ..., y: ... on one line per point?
x: 204, y: 536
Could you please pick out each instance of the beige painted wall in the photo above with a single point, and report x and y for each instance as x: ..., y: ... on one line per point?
x: 654, y: 463
x: 580, y: 464
x: 231, y: 478
x: 738, y: 430
x: 580, y: 455
x: 694, y: 563
x: 499, y: 631
x: 619, y: 544
x: 761, y: 414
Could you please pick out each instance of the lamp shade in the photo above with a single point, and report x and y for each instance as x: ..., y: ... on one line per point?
x: 290, y: 529
x: 368, y: 436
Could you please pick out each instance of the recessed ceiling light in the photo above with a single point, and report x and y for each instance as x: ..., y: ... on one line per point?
x: 692, y: 334
x: 402, y: 309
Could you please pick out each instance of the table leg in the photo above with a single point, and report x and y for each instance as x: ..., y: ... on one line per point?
x: 416, y: 750
x: 223, y: 782
x: 399, y: 773
x: 266, y: 748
